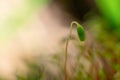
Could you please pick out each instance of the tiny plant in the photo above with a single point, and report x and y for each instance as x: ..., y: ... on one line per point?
x: 81, y: 35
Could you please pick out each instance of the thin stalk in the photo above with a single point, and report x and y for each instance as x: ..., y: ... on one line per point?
x: 66, y: 49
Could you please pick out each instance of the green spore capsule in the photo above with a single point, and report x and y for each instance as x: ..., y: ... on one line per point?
x: 80, y: 32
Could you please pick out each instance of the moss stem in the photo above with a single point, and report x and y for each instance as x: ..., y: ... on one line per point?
x: 66, y: 49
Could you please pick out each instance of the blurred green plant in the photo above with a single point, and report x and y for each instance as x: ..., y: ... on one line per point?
x: 111, y: 12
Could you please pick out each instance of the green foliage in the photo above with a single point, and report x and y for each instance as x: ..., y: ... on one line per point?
x: 111, y: 12
x: 35, y: 73
x: 102, y: 74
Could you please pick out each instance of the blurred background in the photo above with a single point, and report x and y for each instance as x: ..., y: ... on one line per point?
x: 33, y: 35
